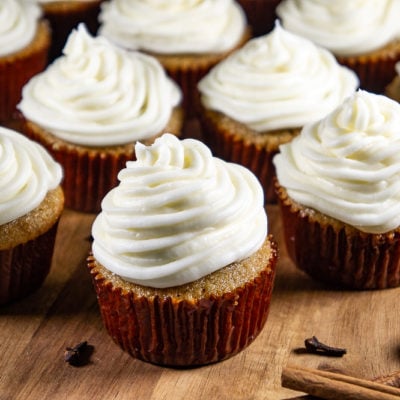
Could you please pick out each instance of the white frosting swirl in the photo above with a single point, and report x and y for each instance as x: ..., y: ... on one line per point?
x: 347, y: 165
x: 178, y: 214
x: 183, y: 26
x: 344, y: 27
x: 27, y: 173
x: 277, y: 81
x: 99, y: 95
x: 18, y: 25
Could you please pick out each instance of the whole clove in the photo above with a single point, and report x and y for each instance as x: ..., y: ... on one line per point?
x: 313, y: 345
x: 78, y: 355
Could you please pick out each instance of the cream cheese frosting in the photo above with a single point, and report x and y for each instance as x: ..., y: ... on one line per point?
x: 276, y: 81
x: 344, y: 27
x: 178, y: 214
x: 27, y: 174
x: 99, y: 95
x: 18, y: 25
x: 183, y: 26
x: 347, y: 165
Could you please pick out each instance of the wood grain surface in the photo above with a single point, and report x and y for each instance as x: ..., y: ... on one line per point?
x: 35, y: 331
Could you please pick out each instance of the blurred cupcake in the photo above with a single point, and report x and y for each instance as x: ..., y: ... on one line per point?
x: 393, y: 89
x: 363, y: 35
x: 187, y: 37
x: 31, y: 202
x: 339, y: 192
x: 261, y: 96
x: 89, y: 108
x: 260, y: 14
x: 24, y: 44
x: 182, y: 263
x: 64, y: 16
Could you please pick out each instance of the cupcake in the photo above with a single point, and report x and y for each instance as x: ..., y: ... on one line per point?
x: 339, y: 192
x: 24, y: 44
x: 182, y: 262
x: 187, y: 37
x: 363, y: 35
x: 31, y: 203
x: 89, y: 108
x: 260, y: 14
x: 261, y: 96
x: 65, y: 15
x: 393, y: 89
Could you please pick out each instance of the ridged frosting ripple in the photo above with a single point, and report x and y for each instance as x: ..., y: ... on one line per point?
x: 347, y: 165
x: 18, y: 25
x: 344, y: 27
x: 27, y: 173
x: 99, y: 95
x: 276, y: 81
x: 178, y: 214
x: 184, y: 26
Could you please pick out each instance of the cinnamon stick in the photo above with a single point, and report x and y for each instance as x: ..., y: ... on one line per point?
x: 332, y: 385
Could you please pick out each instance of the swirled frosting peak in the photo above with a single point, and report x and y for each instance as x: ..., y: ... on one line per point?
x: 99, y: 95
x: 18, y: 24
x: 344, y: 27
x: 347, y: 165
x: 178, y: 214
x: 277, y: 81
x: 27, y: 173
x: 183, y: 26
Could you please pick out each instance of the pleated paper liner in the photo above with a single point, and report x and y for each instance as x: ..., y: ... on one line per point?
x: 375, y: 69
x: 336, y: 253
x: 24, y: 268
x: 16, y: 69
x: 234, y: 142
x: 393, y: 89
x: 166, y: 327
x: 91, y: 172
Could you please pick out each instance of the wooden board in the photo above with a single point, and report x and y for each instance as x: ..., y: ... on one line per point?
x: 34, y: 333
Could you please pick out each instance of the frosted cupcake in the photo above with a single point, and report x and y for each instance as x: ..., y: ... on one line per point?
x: 65, y: 15
x: 261, y: 96
x: 24, y: 44
x: 339, y: 192
x: 364, y: 35
x: 182, y: 262
x: 89, y: 108
x: 187, y: 37
x: 31, y: 203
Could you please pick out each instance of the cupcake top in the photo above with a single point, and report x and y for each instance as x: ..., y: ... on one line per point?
x: 18, y: 24
x: 344, y: 27
x: 173, y: 26
x: 178, y: 214
x: 347, y: 165
x: 99, y: 95
x: 277, y: 81
x: 27, y: 174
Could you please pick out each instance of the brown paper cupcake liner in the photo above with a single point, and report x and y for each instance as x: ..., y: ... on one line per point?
x: 376, y: 69
x: 18, y: 68
x: 66, y: 15
x: 393, y: 89
x: 336, y: 253
x: 260, y: 14
x: 177, y: 332
x: 90, y: 173
x: 24, y: 267
x: 233, y: 142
